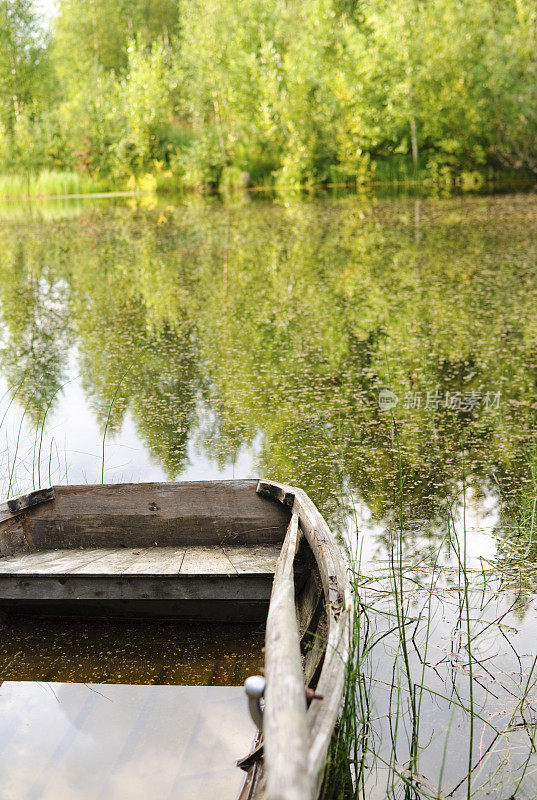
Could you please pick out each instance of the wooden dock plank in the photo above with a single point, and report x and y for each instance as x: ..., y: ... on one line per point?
x: 261, y: 559
x: 151, y: 561
x: 207, y: 561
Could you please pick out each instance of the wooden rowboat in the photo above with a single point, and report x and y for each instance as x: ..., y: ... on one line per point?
x: 224, y: 550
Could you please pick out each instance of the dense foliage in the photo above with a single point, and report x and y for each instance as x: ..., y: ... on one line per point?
x: 222, y: 92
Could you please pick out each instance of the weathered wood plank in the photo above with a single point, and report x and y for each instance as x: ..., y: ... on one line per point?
x: 167, y: 514
x: 322, y: 715
x: 60, y: 562
x: 309, y: 603
x: 18, y: 504
x: 312, y: 626
x: 135, y: 587
x: 316, y: 650
x: 145, y: 561
x: 151, y: 561
x: 41, y: 562
x: 5, y: 513
x: 31, y: 560
x: 285, y: 728
x: 108, y: 562
x: 12, y: 538
x: 255, y: 558
x: 11, y: 509
x: 207, y: 561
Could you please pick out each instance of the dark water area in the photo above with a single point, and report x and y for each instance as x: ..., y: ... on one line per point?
x: 379, y: 352
x: 129, y: 652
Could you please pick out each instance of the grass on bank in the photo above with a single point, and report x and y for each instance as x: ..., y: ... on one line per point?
x: 66, y: 183
x: 46, y: 183
x: 51, y: 183
x: 395, y: 172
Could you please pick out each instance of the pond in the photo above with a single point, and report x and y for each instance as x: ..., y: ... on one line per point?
x: 379, y: 353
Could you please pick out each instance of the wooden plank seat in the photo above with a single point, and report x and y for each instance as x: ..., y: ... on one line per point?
x: 200, y: 550
x: 191, y: 580
x: 185, y: 561
x: 232, y: 572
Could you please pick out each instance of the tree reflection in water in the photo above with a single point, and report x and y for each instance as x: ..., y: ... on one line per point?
x: 270, y: 328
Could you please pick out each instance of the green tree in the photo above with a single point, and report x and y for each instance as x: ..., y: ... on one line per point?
x: 91, y: 36
x: 145, y: 107
x: 23, y: 50
x: 226, y: 91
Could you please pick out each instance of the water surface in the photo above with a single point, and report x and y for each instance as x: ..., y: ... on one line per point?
x: 129, y: 651
x: 60, y: 741
x: 380, y: 353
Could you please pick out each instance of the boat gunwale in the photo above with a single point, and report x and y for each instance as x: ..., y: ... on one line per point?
x: 322, y: 714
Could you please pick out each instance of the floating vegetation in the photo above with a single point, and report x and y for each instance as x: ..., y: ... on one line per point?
x: 129, y: 651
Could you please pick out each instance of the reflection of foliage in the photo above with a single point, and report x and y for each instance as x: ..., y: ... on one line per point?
x: 126, y: 335
x: 34, y: 311
x: 517, y: 551
x: 164, y: 403
x: 325, y: 304
x: 284, y: 320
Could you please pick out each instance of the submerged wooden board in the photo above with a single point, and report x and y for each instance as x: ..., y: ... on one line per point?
x: 190, y: 610
x: 165, y: 514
